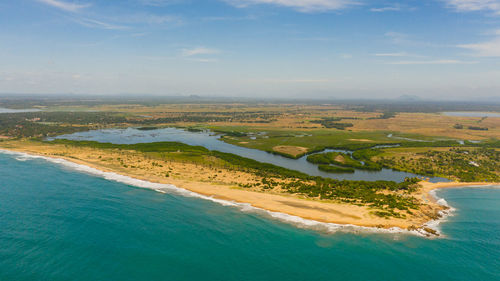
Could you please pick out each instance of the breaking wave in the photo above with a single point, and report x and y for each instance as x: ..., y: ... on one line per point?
x: 244, y: 207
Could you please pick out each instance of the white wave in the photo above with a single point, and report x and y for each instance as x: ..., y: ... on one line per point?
x: 442, y: 202
x: 450, y: 211
x: 443, y: 214
x: 21, y: 158
x: 244, y: 207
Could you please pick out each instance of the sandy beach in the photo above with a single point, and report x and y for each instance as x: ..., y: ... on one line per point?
x: 427, y: 187
x: 223, y: 185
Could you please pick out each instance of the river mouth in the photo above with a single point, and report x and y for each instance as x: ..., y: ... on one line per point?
x: 211, y: 140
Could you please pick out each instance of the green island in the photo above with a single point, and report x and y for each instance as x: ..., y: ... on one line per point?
x: 344, y: 160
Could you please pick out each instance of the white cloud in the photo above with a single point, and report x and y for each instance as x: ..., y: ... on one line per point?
x: 423, y: 62
x: 225, y: 18
x: 200, y: 54
x: 400, y: 54
x: 203, y: 59
x: 319, y: 39
x: 199, y: 51
x: 97, y: 24
x: 70, y: 7
x: 386, y: 9
x: 397, y: 37
x: 159, y: 3
x: 128, y: 21
x: 307, y: 6
x: 150, y: 19
x: 485, y: 49
x: 475, y: 5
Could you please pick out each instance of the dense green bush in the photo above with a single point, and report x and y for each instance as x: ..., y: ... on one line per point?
x: 347, y: 161
x: 359, y: 192
x: 335, y: 169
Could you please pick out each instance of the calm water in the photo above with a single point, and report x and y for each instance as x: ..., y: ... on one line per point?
x: 8, y: 110
x: 212, y: 142
x: 58, y: 224
x: 471, y: 114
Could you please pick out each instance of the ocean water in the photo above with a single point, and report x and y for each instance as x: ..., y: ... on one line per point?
x: 60, y: 224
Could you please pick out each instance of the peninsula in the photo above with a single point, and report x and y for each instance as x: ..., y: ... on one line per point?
x: 381, y: 204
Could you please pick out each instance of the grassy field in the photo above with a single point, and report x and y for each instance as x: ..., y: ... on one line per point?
x: 312, y: 140
x: 434, y: 124
x: 459, y: 163
x: 292, y: 130
x: 296, y: 117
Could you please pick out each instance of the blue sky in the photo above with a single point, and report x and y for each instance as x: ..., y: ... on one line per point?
x: 445, y: 49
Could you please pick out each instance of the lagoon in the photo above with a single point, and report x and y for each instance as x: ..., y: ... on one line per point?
x: 212, y: 141
x: 8, y: 110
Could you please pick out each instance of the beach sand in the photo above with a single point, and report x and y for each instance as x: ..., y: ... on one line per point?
x: 427, y: 187
x: 223, y: 184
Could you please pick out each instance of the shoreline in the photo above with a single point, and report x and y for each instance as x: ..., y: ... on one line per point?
x: 428, y: 191
x: 428, y: 188
x: 304, y: 213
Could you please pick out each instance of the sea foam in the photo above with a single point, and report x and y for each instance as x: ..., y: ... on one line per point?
x: 244, y: 207
x: 445, y: 214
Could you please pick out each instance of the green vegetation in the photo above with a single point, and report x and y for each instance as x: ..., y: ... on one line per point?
x: 147, y: 128
x: 386, y: 115
x: 366, y: 155
x: 361, y: 192
x: 335, y: 169
x: 286, y: 155
x: 357, y: 192
x: 262, y: 117
x: 319, y: 140
x: 323, y: 158
x: 314, y: 140
x: 464, y: 164
x: 477, y: 128
x: 331, y: 122
x: 193, y: 154
x: 343, y: 160
x: 42, y: 124
x: 270, y: 127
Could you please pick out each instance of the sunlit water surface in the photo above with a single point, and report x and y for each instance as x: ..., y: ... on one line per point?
x: 59, y: 224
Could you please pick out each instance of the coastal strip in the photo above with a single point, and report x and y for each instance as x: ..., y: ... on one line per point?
x: 172, y: 189
x: 428, y: 192
x: 322, y: 216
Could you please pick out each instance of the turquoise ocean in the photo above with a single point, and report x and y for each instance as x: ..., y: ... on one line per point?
x: 63, y: 223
